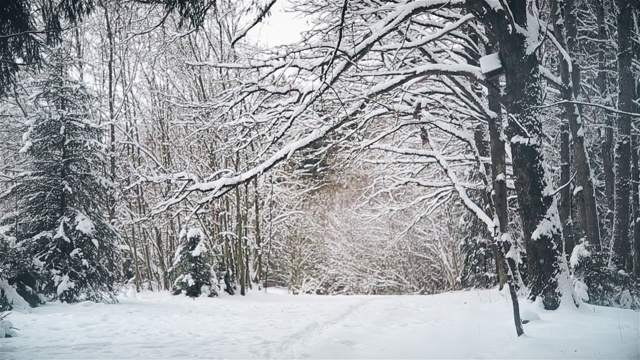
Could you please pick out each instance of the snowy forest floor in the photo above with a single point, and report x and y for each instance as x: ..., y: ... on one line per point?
x: 468, y: 324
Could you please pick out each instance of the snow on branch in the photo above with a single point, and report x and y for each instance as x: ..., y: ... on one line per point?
x: 583, y: 103
x: 458, y: 185
x: 261, y: 15
x: 432, y: 69
x: 300, y: 96
x: 222, y: 185
x: 427, y: 39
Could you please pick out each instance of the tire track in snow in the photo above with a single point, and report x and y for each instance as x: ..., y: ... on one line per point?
x: 290, y: 347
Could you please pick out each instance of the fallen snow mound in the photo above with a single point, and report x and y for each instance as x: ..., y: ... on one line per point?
x: 469, y: 324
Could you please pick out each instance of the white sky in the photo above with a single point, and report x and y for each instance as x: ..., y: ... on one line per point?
x: 280, y: 28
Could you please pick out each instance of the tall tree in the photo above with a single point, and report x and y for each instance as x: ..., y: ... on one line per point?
x: 17, y: 45
x: 622, y: 254
x: 20, y: 44
x: 19, y: 21
x: 518, y: 40
x: 602, y: 82
x: 564, y: 17
x: 60, y: 194
x: 290, y: 108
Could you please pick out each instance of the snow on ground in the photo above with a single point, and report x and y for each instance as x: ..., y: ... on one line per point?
x: 470, y: 324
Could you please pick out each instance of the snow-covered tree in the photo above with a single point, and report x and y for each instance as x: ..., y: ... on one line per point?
x: 60, y: 195
x: 18, y: 274
x: 195, y: 276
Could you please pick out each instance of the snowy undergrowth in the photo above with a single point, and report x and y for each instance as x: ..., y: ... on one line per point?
x: 470, y: 324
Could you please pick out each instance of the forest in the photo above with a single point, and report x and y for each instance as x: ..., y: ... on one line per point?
x: 400, y: 147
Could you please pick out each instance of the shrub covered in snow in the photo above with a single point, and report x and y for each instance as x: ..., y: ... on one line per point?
x: 6, y: 326
x: 478, y: 267
x: 597, y: 283
x: 10, y: 299
x: 191, y: 267
x: 18, y: 274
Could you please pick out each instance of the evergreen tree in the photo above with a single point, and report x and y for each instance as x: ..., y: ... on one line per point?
x: 18, y: 273
x: 18, y: 23
x: 599, y: 283
x: 60, y: 195
x: 194, y: 274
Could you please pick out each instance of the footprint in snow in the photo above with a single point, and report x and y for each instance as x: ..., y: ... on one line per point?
x: 347, y: 343
x: 88, y: 346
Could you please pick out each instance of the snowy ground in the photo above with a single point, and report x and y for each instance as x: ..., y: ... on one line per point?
x: 472, y: 324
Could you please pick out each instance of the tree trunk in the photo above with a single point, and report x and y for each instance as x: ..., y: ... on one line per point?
x: 564, y: 208
x: 537, y: 208
x: 499, y: 174
x: 492, y: 151
x: 570, y: 75
x: 230, y: 264
x: 258, y: 250
x: 635, y: 176
x: 240, y: 259
x: 112, y: 126
x: 621, y: 249
x: 636, y: 192
x: 607, y: 145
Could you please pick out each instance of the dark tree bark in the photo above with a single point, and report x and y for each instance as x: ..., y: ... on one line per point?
x: 499, y: 176
x: 228, y: 287
x: 240, y: 275
x: 523, y: 93
x: 491, y: 149
x: 635, y: 176
x: 621, y: 246
x: 564, y: 208
x: 257, y: 254
x: 111, y: 201
x: 607, y: 144
x: 489, y: 197
x: 570, y: 75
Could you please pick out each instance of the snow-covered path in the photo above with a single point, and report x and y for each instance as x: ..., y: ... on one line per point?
x: 473, y: 324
